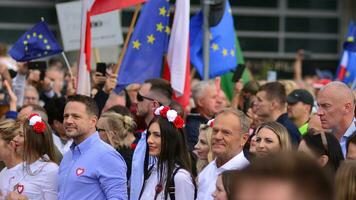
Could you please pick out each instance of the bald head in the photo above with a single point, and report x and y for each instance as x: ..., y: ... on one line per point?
x: 339, y: 92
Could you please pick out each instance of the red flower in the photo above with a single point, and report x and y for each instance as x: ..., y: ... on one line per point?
x: 178, y: 122
x: 164, y: 111
x: 39, y: 127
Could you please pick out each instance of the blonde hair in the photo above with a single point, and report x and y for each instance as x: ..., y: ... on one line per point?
x: 119, y: 129
x: 9, y: 129
x: 280, y: 131
x: 289, y: 85
x: 203, y: 163
x: 345, y: 181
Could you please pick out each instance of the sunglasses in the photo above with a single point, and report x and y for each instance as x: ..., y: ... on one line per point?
x: 141, y: 98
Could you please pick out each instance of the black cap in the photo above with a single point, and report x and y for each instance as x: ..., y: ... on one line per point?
x: 300, y: 95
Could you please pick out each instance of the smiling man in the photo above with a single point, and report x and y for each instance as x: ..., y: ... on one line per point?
x: 230, y: 133
x: 336, y: 106
x: 92, y: 169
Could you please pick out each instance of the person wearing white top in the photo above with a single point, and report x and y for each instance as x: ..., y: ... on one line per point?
x: 230, y: 133
x: 40, y: 182
x: 36, y: 177
x: 8, y: 130
x: 170, y: 177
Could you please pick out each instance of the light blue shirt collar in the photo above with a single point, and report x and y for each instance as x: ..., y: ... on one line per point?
x: 86, y: 144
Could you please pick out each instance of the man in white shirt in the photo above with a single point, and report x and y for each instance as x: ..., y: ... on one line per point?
x: 336, y: 108
x: 230, y: 133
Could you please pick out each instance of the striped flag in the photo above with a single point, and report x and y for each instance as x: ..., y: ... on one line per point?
x: 178, y: 56
x: 83, y: 86
x: 90, y: 8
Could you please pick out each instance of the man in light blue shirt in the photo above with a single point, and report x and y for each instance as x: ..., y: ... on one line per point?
x: 92, y: 169
x: 151, y: 95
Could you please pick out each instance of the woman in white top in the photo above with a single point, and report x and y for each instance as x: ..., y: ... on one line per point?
x: 8, y: 130
x: 36, y: 177
x: 170, y: 177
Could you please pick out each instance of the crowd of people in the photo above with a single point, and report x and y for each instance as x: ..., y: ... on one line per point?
x: 287, y: 140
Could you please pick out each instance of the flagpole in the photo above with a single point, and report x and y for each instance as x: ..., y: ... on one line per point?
x: 67, y: 63
x: 127, y: 39
x: 206, y: 35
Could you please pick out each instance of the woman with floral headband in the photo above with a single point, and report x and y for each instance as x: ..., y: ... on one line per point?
x: 170, y: 178
x: 36, y: 179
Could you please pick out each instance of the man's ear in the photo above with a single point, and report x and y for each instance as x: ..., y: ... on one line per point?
x: 93, y: 120
x: 348, y: 107
x: 244, y: 138
x: 323, y: 160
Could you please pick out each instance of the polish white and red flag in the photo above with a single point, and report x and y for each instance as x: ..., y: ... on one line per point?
x: 178, y: 56
x: 90, y: 8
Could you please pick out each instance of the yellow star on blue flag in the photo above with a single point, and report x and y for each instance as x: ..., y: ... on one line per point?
x: 149, y: 42
x: 36, y: 43
x: 222, y: 40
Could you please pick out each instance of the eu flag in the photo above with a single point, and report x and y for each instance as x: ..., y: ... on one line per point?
x: 37, y: 42
x: 347, y: 68
x: 222, y: 44
x: 149, y: 41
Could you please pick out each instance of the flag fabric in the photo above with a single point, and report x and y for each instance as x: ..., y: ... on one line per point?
x: 347, y: 68
x: 38, y: 42
x: 91, y: 8
x: 103, y: 6
x: 227, y: 84
x: 84, y: 68
x: 178, y: 58
x: 222, y: 44
x: 148, y: 44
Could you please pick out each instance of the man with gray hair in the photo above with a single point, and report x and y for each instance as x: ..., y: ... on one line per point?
x: 230, y: 133
x: 336, y: 106
x: 205, y: 98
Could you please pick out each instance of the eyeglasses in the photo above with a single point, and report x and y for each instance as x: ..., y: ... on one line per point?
x: 141, y: 98
x: 100, y: 129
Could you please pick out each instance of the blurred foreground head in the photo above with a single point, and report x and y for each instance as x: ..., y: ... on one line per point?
x: 285, y: 176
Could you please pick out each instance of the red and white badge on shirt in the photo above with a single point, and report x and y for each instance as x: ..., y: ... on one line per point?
x: 20, y: 188
x: 79, y: 171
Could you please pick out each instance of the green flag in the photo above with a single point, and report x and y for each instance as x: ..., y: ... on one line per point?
x: 227, y: 85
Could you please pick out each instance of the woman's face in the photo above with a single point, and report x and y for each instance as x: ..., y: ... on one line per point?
x: 20, y: 142
x: 220, y: 192
x: 101, y: 130
x: 154, y: 140
x: 267, y: 142
x: 201, y: 149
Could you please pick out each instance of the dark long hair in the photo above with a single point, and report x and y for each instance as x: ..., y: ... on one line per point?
x: 174, y: 151
x: 332, y: 149
x: 38, y: 144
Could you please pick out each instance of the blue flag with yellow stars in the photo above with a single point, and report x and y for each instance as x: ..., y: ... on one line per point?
x: 38, y: 42
x: 222, y: 44
x: 149, y: 42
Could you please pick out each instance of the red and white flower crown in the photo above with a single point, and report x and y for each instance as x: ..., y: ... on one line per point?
x: 170, y: 115
x: 38, y: 126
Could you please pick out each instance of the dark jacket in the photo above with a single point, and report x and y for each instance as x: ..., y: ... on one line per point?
x: 193, y: 121
x: 292, y: 129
